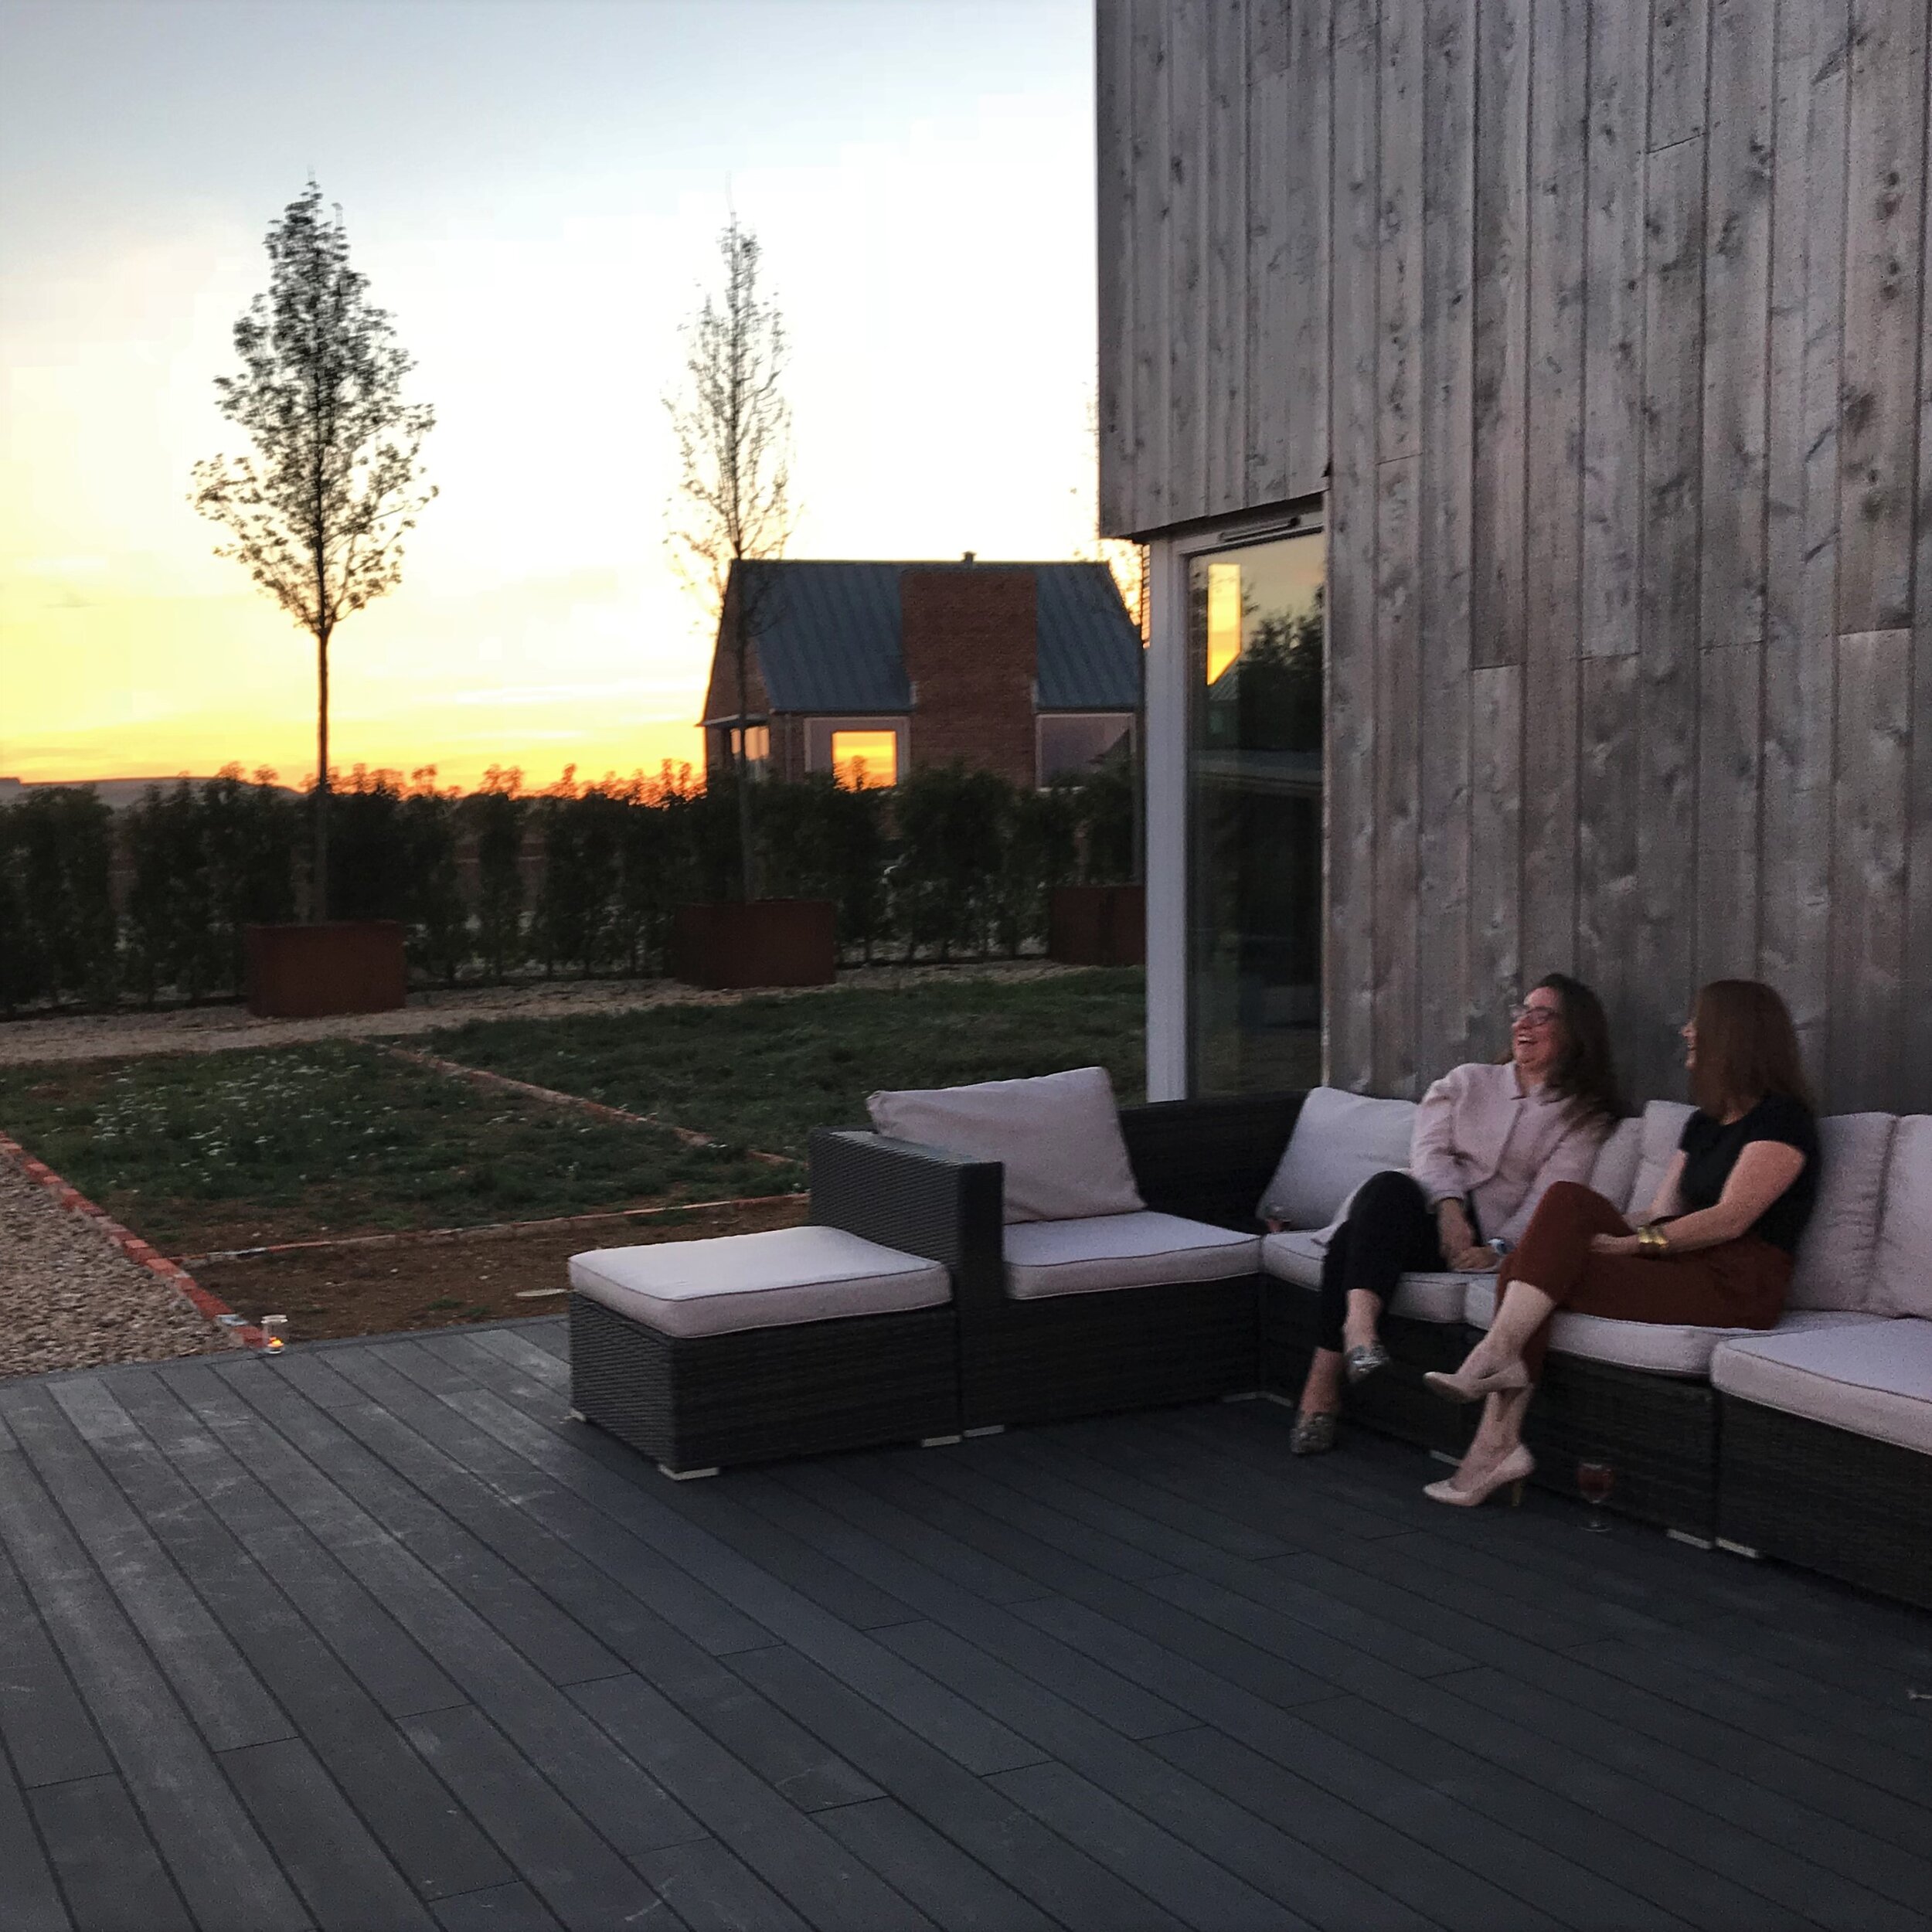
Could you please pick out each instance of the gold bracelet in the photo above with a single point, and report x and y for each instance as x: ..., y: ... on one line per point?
x: 1651, y: 1239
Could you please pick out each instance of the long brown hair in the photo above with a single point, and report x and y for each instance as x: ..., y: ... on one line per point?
x: 1586, y: 1069
x: 1747, y: 1048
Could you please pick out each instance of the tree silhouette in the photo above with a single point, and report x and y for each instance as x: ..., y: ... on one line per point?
x: 733, y: 431
x: 317, y: 511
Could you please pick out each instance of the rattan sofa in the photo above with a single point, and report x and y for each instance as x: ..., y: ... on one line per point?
x: 1066, y: 1355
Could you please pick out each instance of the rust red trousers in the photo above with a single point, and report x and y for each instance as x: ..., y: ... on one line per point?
x: 1737, y: 1284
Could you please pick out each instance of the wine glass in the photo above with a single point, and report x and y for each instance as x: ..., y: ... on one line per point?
x: 1594, y: 1481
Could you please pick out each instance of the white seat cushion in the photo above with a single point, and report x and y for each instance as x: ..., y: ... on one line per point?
x: 1434, y: 1297
x: 1340, y: 1140
x: 1902, y: 1282
x: 1835, y: 1266
x: 1874, y: 1379
x: 1059, y: 1136
x: 1614, y: 1174
x: 1661, y: 1347
x: 1100, y: 1252
x: 1658, y: 1132
x: 768, y: 1281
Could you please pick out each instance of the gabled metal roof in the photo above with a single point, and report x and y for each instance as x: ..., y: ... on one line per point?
x: 829, y: 636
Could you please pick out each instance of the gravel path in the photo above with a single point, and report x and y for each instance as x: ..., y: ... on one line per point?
x: 71, y: 1299
x: 213, y: 1030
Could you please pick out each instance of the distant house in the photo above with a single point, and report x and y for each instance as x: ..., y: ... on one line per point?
x: 871, y: 670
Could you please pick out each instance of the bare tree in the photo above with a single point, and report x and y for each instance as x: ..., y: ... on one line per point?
x: 734, y: 506
x: 317, y: 512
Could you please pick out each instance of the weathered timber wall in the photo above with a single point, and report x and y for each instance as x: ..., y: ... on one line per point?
x: 1601, y: 324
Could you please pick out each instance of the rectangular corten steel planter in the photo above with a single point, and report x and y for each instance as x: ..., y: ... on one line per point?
x: 766, y: 942
x: 1096, y: 925
x: 342, y: 966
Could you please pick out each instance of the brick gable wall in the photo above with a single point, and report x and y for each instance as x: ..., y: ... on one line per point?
x: 970, y: 643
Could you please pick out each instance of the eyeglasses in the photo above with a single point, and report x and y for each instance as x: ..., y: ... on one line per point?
x: 1533, y: 1016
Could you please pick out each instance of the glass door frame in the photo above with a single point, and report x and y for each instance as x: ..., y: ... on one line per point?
x: 1170, y: 701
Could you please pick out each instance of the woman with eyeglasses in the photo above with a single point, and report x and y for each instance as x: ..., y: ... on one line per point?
x: 1490, y: 1140
x: 1714, y: 1249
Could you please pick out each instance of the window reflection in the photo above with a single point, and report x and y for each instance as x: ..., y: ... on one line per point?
x: 1255, y: 637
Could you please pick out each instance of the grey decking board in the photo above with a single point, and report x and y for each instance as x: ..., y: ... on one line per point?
x: 697, y: 1612
x: 223, y: 1870
x: 712, y: 1890
x: 518, y: 1611
x: 1058, y: 1876
x: 790, y: 1852
x: 1129, y: 1709
x: 953, y: 1890
x: 1445, y: 1892
x: 388, y: 1663
x: 1642, y: 1883
x: 215, y: 1684
x: 44, y: 1725
x: 344, y: 1876
x: 1720, y: 1753
x: 1258, y: 1853
x: 610, y: 1790
x: 113, y: 1879
x: 402, y: 1803
x: 33, y: 1894
x: 564, y: 1860
x: 1191, y: 1888
x: 503, y: 1908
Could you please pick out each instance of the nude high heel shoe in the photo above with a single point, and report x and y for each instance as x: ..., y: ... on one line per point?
x: 1511, y: 1472
x: 1471, y: 1385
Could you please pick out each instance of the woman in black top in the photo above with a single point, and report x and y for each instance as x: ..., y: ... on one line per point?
x: 1713, y: 1250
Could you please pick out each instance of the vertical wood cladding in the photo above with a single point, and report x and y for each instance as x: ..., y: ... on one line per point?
x: 1602, y: 324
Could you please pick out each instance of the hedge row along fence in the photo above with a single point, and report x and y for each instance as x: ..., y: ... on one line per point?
x: 98, y: 907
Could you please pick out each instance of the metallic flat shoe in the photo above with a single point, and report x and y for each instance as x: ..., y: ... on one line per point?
x: 1314, y: 1435
x: 1359, y: 1364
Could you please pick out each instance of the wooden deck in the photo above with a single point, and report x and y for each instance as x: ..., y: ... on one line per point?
x: 371, y: 1637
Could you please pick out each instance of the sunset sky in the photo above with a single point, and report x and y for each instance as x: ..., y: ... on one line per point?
x: 534, y: 187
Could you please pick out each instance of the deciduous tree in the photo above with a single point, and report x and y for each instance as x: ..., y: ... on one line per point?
x: 318, y: 509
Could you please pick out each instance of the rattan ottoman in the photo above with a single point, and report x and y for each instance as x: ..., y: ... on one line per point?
x: 756, y: 1347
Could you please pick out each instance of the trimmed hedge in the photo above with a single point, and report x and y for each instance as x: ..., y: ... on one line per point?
x: 580, y: 879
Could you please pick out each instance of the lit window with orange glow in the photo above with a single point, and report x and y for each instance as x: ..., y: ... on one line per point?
x: 862, y: 760
x: 1223, y: 618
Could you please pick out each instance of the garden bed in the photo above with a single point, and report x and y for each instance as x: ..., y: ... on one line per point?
x: 763, y: 1072
x: 328, y: 1293
x: 241, y: 1149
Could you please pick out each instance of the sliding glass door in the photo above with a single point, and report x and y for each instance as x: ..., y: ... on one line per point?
x: 1254, y: 620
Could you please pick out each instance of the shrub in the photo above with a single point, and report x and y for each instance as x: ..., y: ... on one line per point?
x: 61, y: 847
x: 498, y: 815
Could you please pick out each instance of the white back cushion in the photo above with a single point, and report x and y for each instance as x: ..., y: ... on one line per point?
x: 1615, y: 1171
x: 1903, y: 1282
x: 1060, y: 1136
x: 1661, y: 1128
x: 1340, y: 1139
x: 1839, y: 1253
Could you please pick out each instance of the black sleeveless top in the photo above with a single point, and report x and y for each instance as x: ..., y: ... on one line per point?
x: 1711, y: 1149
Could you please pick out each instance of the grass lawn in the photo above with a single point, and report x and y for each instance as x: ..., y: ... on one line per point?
x: 229, y: 1149
x: 763, y: 1074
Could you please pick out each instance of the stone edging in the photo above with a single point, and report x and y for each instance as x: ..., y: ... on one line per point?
x: 483, y: 1231
x: 233, y: 1331
x: 481, y: 1076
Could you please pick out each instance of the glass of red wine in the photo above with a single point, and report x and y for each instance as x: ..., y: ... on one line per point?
x: 1594, y: 1481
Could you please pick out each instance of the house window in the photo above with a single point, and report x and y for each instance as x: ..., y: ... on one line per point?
x: 1072, y: 744
x: 863, y: 760
x: 1255, y: 637
x: 751, y: 747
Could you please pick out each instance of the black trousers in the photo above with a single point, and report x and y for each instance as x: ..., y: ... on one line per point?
x: 1390, y: 1230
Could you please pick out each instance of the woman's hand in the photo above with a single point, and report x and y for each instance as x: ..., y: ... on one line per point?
x: 1614, y: 1244
x: 1475, y: 1260
x: 1452, y: 1230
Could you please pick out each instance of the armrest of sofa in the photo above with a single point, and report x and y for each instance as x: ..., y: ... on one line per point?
x: 922, y: 1200
x: 1209, y: 1160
